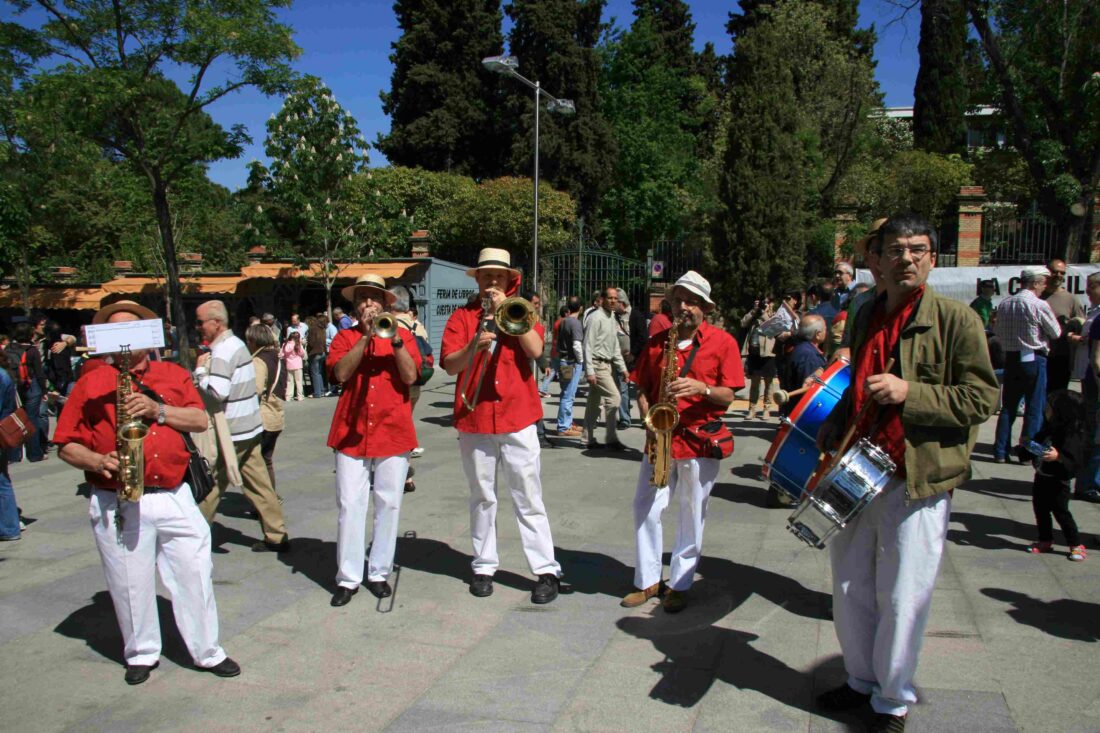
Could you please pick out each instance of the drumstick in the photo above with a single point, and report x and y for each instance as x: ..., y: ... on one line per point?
x: 782, y: 396
x: 868, y: 405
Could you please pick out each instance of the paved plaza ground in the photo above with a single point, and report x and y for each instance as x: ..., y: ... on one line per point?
x: 1012, y: 642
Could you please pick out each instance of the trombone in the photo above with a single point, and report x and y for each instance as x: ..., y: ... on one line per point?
x: 514, y: 316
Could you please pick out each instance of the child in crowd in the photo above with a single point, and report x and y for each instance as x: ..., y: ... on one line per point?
x: 1063, y: 436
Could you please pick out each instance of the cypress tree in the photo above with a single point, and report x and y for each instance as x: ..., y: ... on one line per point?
x: 675, y: 31
x: 445, y: 109
x: 555, y: 42
x: 941, y: 93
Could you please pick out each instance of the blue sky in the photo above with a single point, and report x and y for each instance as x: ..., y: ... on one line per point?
x: 347, y: 44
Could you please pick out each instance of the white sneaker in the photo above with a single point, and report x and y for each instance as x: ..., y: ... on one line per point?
x: 416, y: 452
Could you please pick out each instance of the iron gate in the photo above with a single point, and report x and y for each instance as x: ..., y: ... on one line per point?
x: 583, y: 270
x: 1008, y: 239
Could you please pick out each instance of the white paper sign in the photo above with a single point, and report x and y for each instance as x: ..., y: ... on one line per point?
x: 109, y: 338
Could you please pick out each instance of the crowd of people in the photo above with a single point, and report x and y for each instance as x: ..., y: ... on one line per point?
x: 924, y: 378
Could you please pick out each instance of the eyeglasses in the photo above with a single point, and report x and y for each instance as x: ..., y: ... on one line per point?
x: 896, y: 251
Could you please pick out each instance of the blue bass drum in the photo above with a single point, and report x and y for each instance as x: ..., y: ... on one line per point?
x: 793, y: 456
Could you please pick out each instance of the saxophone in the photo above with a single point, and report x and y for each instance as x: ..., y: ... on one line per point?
x: 662, y: 417
x: 129, y: 437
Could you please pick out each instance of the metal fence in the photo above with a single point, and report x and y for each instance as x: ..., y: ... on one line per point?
x: 583, y: 270
x: 1008, y: 239
x: 676, y: 258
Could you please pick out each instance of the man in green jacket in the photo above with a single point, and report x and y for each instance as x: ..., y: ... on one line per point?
x: 925, y: 413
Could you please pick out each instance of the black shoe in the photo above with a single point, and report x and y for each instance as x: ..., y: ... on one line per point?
x: 410, y: 486
x: 342, y: 596
x: 884, y: 723
x: 266, y: 546
x: 225, y: 668
x: 481, y: 586
x: 842, y: 698
x: 379, y: 588
x: 138, y: 673
x: 616, y: 446
x: 623, y: 425
x: 546, y: 589
x: 544, y: 442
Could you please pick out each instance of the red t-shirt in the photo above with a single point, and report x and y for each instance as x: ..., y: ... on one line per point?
x: 373, y: 418
x: 509, y: 398
x: 554, y: 338
x: 89, y: 419
x: 882, y: 423
x: 717, y: 363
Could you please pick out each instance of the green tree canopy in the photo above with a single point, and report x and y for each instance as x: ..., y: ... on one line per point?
x: 941, y: 92
x: 445, y: 109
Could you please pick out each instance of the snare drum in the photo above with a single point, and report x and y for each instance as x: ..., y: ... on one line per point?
x: 845, y: 491
x: 793, y: 455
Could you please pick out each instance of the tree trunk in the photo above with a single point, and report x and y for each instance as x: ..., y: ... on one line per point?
x: 174, y: 293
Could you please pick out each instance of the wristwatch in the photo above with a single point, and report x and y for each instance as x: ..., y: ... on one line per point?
x: 397, y: 342
x: 162, y: 415
x: 707, y: 393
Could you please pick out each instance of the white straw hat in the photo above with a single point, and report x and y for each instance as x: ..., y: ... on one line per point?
x: 697, y: 284
x: 490, y: 257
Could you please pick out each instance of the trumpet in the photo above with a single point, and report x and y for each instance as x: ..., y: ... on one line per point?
x: 514, y: 316
x: 384, y: 325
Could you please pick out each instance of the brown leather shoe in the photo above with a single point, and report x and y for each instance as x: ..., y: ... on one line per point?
x: 674, y: 601
x: 638, y: 597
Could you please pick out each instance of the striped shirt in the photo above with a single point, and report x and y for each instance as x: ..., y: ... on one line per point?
x: 1025, y: 323
x: 230, y: 378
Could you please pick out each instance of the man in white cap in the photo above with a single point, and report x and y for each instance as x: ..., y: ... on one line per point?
x: 708, y: 373
x: 227, y: 376
x: 499, y: 431
x: 921, y: 368
x: 164, y: 527
x: 1026, y: 326
x: 372, y: 433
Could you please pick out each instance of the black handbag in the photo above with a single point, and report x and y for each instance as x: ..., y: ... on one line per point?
x: 199, y: 475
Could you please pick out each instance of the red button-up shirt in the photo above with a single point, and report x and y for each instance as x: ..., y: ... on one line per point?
x: 882, y: 423
x: 89, y: 418
x: 509, y: 398
x: 717, y: 363
x: 373, y: 418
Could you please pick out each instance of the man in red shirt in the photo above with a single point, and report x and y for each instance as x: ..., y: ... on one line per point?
x: 165, y: 526
x: 500, y: 429
x: 702, y: 391
x: 925, y: 414
x: 372, y: 433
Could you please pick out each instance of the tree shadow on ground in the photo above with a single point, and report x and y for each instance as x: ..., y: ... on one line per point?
x: 989, y: 532
x: 97, y: 626
x: 1064, y: 618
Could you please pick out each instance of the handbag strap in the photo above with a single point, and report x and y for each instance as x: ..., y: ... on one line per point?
x: 191, y: 447
x: 689, y: 360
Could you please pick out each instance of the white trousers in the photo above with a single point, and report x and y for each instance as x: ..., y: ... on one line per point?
x: 693, y: 479
x: 353, y: 492
x: 164, y: 531
x: 518, y: 458
x: 884, y: 570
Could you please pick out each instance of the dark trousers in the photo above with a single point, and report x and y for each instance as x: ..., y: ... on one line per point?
x: 1059, y: 370
x: 267, y: 450
x: 1050, y: 496
x: 1027, y: 381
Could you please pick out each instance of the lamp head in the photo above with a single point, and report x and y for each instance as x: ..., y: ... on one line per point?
x: 500, y: 64
x: 562, y: 106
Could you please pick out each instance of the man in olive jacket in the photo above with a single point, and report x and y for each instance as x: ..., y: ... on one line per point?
x: 925, y: 412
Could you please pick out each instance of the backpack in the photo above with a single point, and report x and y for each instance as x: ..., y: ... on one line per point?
x: 427, y: 360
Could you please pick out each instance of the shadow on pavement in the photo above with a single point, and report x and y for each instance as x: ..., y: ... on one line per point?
x: 442, y: 420
x: 740, y: 494
x: 630, y: 454
x: 97, y: 626
x: 1001, y: 488
x: 1064, y: 618
x: 313, y: 558
x: 984, y: 531
x: 439, y: 558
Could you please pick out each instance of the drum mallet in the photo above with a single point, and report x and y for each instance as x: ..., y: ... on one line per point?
x: 782, y: 396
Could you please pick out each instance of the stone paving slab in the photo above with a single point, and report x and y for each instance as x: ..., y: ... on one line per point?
x: 1011, y: 643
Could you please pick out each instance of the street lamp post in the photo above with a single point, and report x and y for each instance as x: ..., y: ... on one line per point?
x: 507, y: 65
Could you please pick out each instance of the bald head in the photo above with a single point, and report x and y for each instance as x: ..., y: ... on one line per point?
x: 812, y: 329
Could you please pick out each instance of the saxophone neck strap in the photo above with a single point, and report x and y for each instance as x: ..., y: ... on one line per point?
x: 690, y: 359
